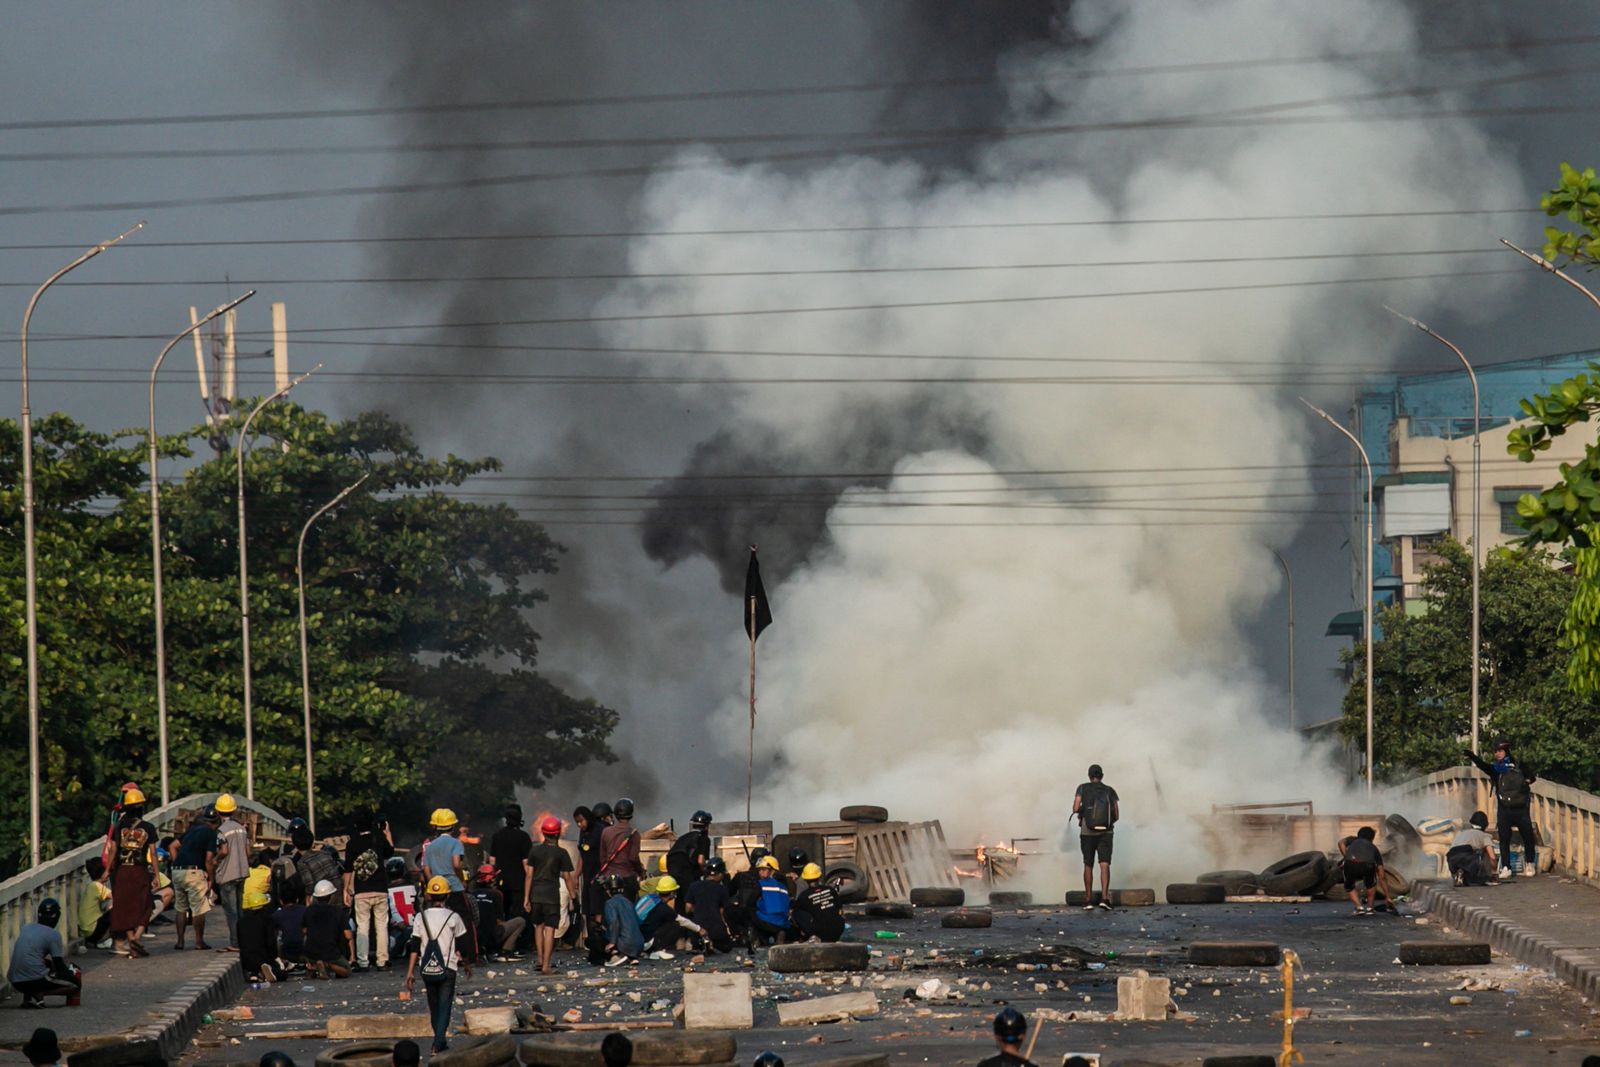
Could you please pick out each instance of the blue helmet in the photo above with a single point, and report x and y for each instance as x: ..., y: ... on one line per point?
x: 1010, y: 1026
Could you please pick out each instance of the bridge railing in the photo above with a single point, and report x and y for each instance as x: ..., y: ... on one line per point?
x: 64, y: 877
x: 1568, y: 819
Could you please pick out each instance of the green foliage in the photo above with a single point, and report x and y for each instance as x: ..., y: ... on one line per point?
x: 419, y: 604
x: 1422, y: 673
x: 1578, y: 198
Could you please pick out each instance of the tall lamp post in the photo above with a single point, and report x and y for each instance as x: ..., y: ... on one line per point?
x: 155, y: 543
x: 1477, y: 507
x: 1288, y: 577
x: 305, y: 651
x: 244, y: 587
x: 1366, y: 584
x: 30, y: 580
x: 1544, y: 264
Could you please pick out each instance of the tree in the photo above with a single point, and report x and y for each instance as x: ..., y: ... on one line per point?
x: 419, y: 604
x: 1421, y: 679
x: 1578, y: 198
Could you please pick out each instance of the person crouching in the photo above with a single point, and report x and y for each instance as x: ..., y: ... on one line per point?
x: 817, y: 915
x: 1471, y: 857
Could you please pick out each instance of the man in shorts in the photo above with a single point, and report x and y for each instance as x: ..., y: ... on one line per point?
x: 1095, y: 805
x: 194, y: 869
x: 547, y: 866
x: 1363, y: 868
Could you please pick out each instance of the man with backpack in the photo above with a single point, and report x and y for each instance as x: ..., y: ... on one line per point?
x: 1095, y: 805
x: 432, y: 953
x: 366, y: 885
x: 1513, y: 796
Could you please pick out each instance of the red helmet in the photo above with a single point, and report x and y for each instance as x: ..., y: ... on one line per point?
x: 486, y: 872
x: 551, y: 826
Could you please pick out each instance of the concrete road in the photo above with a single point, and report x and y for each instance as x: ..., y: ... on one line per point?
x: 1364, y: 1007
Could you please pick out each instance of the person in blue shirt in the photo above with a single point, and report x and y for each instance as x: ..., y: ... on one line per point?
x: 771, y: 922
x: 624, y: 940
x: 445, y: 857
x: 37, y: 969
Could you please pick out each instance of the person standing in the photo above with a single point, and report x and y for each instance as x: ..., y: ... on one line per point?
x: 686, y: 859
x: 1009, y: 1030
x: 131, y: 885
x: 548, y: 865
x: 366, y: 886
x: 194, y: 870
x: 445, y: 857
x: 1096, y: 807
x: 433, y: 952
x: 619, y: 848
x: 37, y: 968
x: 509, y: 848
x: 1513, y: 798
x: 233, y: 865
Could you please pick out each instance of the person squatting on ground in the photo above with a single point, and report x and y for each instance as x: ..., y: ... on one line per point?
x: 94, y: 906
x: 1095, y: 804
x: 816, y: 915
x: 38, y: 968
x: 659, y: 919
x: 233, y: 865
x: 1363, y: 868
x: 744, y: 891
x: 1471, y: 857
x: 132, y: 880
x: 258, y: 940
x: 624, y: 943
x: 497, y: 933
x: 707, y: 902
x: 1513, y: 797
x: 433, y: 953
x: 325, y: 932
x: 194, y: 870
x: 444, y: 857
x: 770, y: 923
x: 1009, y: 1030
x: 546, y: 867
x: 366, y: 886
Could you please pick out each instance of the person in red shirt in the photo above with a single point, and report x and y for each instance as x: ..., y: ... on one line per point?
x: 619, y: 849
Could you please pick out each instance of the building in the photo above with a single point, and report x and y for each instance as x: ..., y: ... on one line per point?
x: 1417, y: 429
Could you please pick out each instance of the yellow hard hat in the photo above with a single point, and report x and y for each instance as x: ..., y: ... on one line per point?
x: 811, y: 872
x: 444, y: 819
x: 438, y: 887
x: 661, y: 864
x: 767, y: 863
x: 132, y: 796
x: 226, y: 805
x: 666, y: 884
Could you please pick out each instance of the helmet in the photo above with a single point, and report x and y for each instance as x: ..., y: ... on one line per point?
x: 1009, y: 1025
x: 443, y: 819
x: 438, y: 887
x: 132, y: 796
x: 486, y: 872
x: 551, y: 826
x: 49, y: 911
x: 716, y: 865
x: 210, y: 814
x: 769, y: 1059
x: 666, y: 884
x: 600, y: 811
x: 395, y: 866
x: 798, y: 857
x: 767, y: 863
x: 323, y: 888
x: 276, y: 1059
x: 811, y: 872
x: 700, y: 820
x: 513, y: 814
x: 297, y: 823
x: 661, y: 864
x: 623, y: 808
x: 226, y: 804
x: 757, y: 853
x: 301, y: 836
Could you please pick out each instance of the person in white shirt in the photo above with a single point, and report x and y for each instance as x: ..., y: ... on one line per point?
x: 432, y: 953
x: 1471, y: 857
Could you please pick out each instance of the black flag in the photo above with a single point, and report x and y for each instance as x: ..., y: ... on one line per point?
x: 762, y: 615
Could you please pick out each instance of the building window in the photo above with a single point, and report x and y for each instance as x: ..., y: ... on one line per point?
x: 1508, y: 520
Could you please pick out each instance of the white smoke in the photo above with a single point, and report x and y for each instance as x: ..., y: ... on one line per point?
x: 967, y: 663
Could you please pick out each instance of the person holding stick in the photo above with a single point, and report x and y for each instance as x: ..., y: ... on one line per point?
x: 1009, y: 1030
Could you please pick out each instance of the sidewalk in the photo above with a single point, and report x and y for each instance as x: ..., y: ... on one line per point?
x: 161, y: 999
x: 1549, y: 922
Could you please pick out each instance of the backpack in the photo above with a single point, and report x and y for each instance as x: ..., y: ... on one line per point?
x: 431, y: 964
x: 1095, y: 812
x: 1511, y: 788
x: 286, y: 879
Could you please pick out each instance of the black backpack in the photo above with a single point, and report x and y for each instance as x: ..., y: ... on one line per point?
x: 1511, y: 788
x: 1095, y: 810
x: 431, y: 963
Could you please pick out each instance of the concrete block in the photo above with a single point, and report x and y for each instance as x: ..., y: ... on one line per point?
x: 358, y: 1027
x: 838, y: 956
x: 1142, y: 998
x: 1445, y: 953
x: 490, y: 1020
x: 828, y: 1009
x: 717, y: 1000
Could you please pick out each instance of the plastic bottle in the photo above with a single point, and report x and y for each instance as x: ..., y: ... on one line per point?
x: 887, y: 935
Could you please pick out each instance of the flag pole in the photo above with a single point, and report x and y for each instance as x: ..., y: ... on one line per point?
x: 750, y: 767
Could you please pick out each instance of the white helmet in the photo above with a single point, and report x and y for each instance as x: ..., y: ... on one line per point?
x: 323, y: 888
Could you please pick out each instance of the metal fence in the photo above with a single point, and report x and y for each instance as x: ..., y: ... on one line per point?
x: 1568, y: 819
x: 65, y: 879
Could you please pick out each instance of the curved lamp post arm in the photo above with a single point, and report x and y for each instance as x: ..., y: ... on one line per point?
x: 1545, y: 265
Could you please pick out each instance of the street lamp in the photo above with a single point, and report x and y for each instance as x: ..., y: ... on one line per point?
x: 1544, y: 264
x: 244, y: 587
x: 1288, y: 576
x: 30, y: 580
x: 305, y: 655
x: 1366, y: 590
x: 155, y: 543
x: 1477, y: 507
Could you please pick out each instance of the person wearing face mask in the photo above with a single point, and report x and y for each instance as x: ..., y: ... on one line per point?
x: 1513, y: 797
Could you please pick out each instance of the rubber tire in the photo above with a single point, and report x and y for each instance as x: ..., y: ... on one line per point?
x: 863, y: 813
x: 650, y: 1047
x: 1010, y: 898
x: 824, y: 956
x: 356, y: 1054
x: 1235, y: 954
x: 890, y: 909
x: 968, y: 919
x: 1249, y: 1059
x: 938, y: 896
x: 1445, y: 953
x: 479, y: 1050
x: 1196, y: 893
x: 1398, y: 828
x: 1234, y: 883
x: 1120, y: 898
x: 1295, y: 875
x: 1332, y: 884
x: 853, y: 887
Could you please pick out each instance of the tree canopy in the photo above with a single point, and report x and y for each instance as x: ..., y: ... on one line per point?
x: 420, y: 606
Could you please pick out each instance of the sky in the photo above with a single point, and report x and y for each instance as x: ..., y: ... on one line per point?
x: 665, y: 101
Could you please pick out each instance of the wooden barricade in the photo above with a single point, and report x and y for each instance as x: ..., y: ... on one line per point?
x: 901, y: 856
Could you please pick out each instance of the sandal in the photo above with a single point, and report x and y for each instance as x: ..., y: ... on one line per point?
x: 137, y: 950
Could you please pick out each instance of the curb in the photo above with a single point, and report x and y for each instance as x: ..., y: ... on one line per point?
x: 1579, y: 968
x: 173, y: 1021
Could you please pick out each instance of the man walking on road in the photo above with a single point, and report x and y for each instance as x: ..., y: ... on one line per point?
x: 1513, y: 795
x: 1095, y: 805
x: 233, y: 865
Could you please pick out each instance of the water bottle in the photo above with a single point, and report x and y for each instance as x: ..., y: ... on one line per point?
x: 887, y: 935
